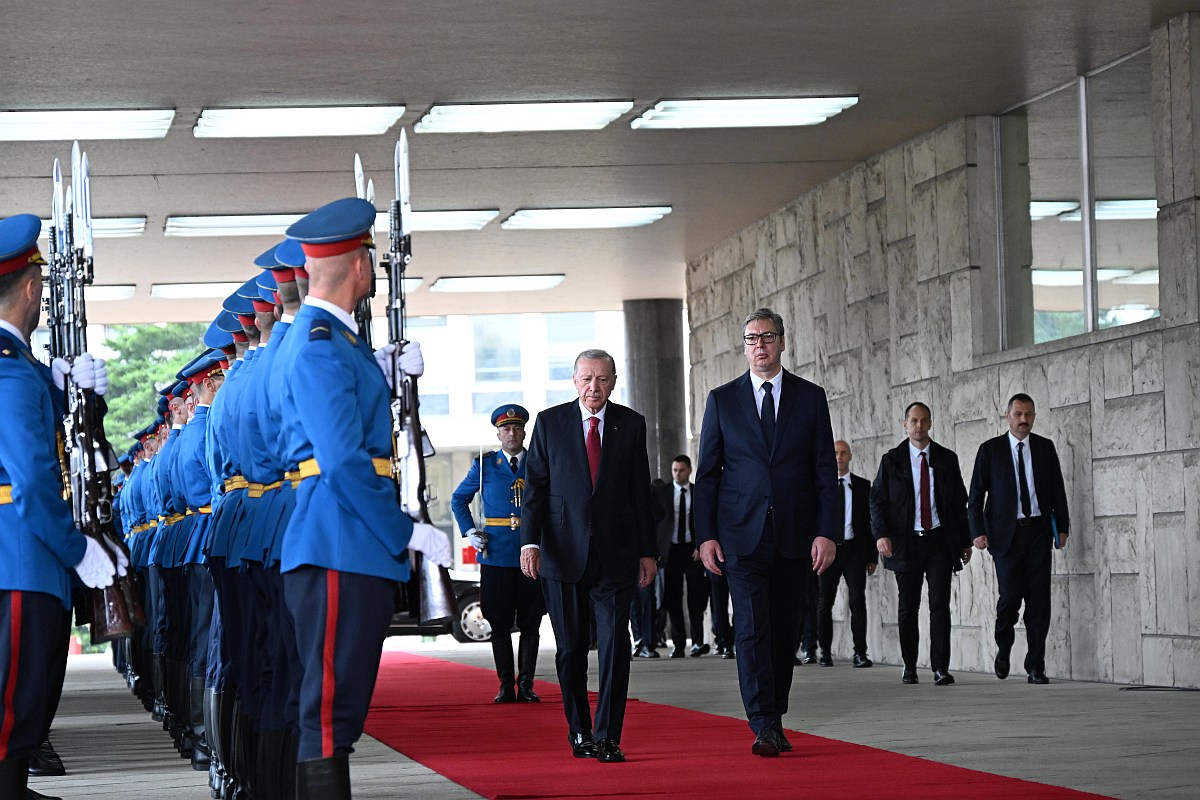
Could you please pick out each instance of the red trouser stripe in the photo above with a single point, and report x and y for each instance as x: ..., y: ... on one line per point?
x: 10, y: 688
x: 327, y: 683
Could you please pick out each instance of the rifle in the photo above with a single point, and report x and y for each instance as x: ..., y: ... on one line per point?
x: 436, y: 603
x: 362, y: 309
x: 86, y: 457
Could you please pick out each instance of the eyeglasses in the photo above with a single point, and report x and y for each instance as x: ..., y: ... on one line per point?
x: 769, y: 337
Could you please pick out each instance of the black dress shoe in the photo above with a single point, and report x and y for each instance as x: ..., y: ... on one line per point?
x: 30, y: 794
x: 784, y: 745
x: 1002, y: 664
x: 699, y: 650
x: 810, y: 657
x: 728, y: 653
x: 525, y: 694
x: 646, y: 652
x: 506, y: 694
x: 909, y: 676
x: 862, y: 661
x: 677, y: 653
x: 766, y: 743
x: 583, y: 745
x: 46, y: 762
x: 942, y: 678
x: 610, y: 752
x: 826, y: 660
x: 1038, y: 677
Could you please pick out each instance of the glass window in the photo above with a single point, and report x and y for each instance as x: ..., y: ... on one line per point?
x: 434, y: 403
x: 487, y: 402
x: 1126, y: 209
x: 556, y: 397
x: 497, y: 347
x: 567, y: 335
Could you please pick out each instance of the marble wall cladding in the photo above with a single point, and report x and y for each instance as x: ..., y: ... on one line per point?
x: 873, y: 274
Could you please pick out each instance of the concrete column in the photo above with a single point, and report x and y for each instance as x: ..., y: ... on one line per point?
x: 655, y: 377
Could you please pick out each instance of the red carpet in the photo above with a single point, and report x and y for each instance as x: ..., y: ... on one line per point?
x: 440, y: 714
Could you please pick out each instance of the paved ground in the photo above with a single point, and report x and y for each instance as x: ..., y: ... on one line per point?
x: 1101, y: 738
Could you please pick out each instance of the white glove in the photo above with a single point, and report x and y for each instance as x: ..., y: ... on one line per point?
x: 90, y: 373
x: 119, y: 553
x: 411, y: 362
x: 477, y: 539
x: 97, y: 568
x: 432, y: 542
x: 61, y: 370
x: 383, y: 357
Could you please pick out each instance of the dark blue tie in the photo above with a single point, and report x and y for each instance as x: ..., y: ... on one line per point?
x: 767, y: 416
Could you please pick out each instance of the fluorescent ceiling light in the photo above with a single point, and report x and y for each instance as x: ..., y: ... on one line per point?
x: 100, y: 294
x: 277, y: 224
x: 1053, y: 278
x: 1118, y: 209
x: 554, y: 218
x: 497, y: 283
x: 47, y: 126
x: 411, y: 284
x: 501, y: 117
x: 193, y: 291
x: 443, y: 220
x: 1040, y: 209
x: 312, y: 121
x: 108, y: 227
x: 742, y: 113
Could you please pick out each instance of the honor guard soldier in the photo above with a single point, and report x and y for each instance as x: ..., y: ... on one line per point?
x: 39, y: 543
x: 507, y: 596
x: 346, y: 543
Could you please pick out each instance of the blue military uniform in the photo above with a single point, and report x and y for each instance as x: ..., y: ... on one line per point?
x: 346, y: 543
x: 507, y: 596
x: 39, y: 544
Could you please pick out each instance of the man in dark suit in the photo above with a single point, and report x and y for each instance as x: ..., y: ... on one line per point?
x: 856, y: 559
x: 643, y: 611
x: 767, y: 509
x: 1018, y: 508
x: 587, y: 531
x: 683, y: 560
x: 919, y: 521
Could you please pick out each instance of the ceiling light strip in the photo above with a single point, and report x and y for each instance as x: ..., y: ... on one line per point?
x: 47, y: 126
x: 109, y: 227
x: 506, y: 117
x: 572, y: 218
x: 497, y: 283
x: 296, y: 121
x: 742, y: 112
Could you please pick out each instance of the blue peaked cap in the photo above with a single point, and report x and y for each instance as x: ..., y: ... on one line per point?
x: 339, y: 221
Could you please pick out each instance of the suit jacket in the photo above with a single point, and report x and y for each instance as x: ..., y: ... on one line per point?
x: 739, y: 477
x: 561, y: 510
x: 860, y: 519
x: 664, y: 497
x: 894, y: 504
x: 992, y: 505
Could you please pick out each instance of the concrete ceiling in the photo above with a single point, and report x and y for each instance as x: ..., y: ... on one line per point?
x: 914, y: 66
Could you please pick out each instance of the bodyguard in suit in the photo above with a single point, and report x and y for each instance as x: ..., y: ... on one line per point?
x: 678, y: 526
x: 587, y: 531
x: 347, y: 541
x: 39, y: 544
x: 767, y: 510
x: 1018, y: 509
x: 507, y: 596
x: 919, y: 521
x: 856, y: 558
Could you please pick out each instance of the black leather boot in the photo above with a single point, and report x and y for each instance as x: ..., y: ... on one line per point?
x: 14, y: 777
x: 527, y: 653
x: 502, y: 654
x: 201, y: 752
x: 323, y: 779
x: 158, y: 665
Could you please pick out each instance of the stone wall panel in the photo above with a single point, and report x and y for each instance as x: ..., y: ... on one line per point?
x: 1147, y: 355
x: 1171, y: 576
x: 1181, y: 387
x: 1118, y: 369
x: 950, y: 146
x: 953, y: 233
x: 1126, y: 630
x: 924, y: 228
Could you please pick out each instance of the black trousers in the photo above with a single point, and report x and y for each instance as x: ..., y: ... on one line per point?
x: 509, y: 598
x: 682, y: 567
x: 810, y: 598
x: 1023, y: 575
x: 722, y: 630
x: 849, y: 564
x: 766, y: 589
x: 929, y: 561
x: 570, y: 614
x: 31, y: 643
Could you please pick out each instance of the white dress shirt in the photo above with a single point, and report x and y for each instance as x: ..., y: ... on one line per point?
x: 848, y: 496
x: 1034, y: 509
x: 587, y: 415
x: 915, y: 458
x: 339, y: 313
x: 8, y: 326
x: 759, y: 394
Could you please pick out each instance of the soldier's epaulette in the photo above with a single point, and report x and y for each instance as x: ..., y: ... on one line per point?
x: 320, y: 329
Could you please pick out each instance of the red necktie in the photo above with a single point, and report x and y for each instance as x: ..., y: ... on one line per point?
x: 926, y: 510
x: 593, y: 447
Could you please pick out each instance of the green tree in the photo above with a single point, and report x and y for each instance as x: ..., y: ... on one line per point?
x: 147, y: 358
